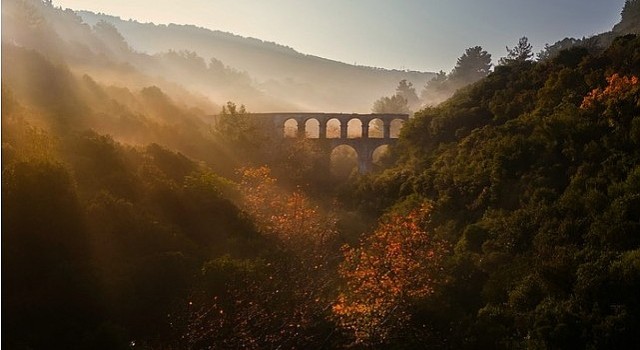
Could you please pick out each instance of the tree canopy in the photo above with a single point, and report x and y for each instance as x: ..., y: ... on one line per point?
x: 393, y: 104
x: 472, y: 66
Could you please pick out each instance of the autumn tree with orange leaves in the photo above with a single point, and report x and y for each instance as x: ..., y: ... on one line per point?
x: 399, y: 263
x: 289, y: 217
x: 282, y: 299
x: 618, y: 86
x: 613, y: 101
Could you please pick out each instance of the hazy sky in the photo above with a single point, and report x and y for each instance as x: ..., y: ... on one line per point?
x: 426, y: 35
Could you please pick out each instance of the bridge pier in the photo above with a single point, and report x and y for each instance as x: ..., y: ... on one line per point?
x: 365, y: 161
x: 365, y: 130
x: 301, y: 129
x: 323, y: 130
x: 386, y: 127
x: 364, y: 150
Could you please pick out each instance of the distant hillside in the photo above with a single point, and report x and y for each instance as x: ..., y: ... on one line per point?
x: 101, y: 52
x: 308, y: 81
x: 629, y: 24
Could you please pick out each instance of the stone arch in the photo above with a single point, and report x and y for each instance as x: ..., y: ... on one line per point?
x: 333, y: 128
x: 396, y: 125
x: 312, y: 128
x: 290, y: 127
x: 354, y: 128
x: 379, y: 153
x: 343, y: 160
x: 376, y: 128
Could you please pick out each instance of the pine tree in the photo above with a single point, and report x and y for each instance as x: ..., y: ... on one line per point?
x: 472, y: 66
x: 522, y: 52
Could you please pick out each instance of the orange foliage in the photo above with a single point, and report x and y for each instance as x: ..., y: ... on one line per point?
x: 398, y: 263
x: 618, y: 87
x: 273, y: 301
x: 289, y: 217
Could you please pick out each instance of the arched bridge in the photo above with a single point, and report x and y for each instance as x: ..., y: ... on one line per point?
x: 363, y: 132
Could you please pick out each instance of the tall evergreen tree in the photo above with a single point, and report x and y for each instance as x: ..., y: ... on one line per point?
x: 522, y: 52
x: 408, y: 92
x: 472, y: 66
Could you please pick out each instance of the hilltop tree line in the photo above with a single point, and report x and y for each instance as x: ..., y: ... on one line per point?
x: 474, y: 65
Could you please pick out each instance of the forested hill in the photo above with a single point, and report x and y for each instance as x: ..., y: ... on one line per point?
x: 279, y: 70
x: 533, y: 174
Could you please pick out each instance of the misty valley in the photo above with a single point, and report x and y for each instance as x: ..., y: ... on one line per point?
x: 175, y: 187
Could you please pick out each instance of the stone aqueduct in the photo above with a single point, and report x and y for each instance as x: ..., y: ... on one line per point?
x: 361, y: 142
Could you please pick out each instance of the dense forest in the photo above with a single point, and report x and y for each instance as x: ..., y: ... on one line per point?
x: 505, y: 217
